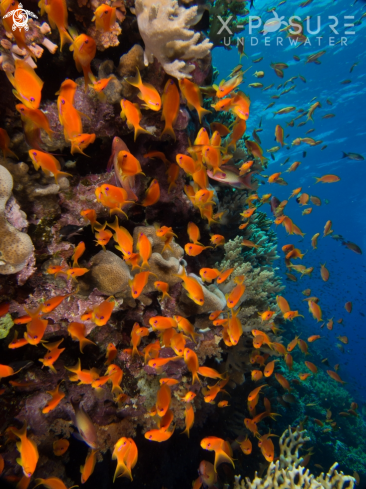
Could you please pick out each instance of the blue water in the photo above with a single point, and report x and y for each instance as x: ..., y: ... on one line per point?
x: 345, y: 132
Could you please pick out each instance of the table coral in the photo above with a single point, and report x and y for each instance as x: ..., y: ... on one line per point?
x: 164, y: 28
x: 16, y: 247
x: 287, y: 473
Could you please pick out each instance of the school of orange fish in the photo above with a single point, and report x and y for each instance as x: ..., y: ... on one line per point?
x: 208, y: 156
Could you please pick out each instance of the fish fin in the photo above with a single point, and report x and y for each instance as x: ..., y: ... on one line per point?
x: 64, y: 37
x: 168, y: 130
x: 345, y: 155
x: 61, y: 174
x: 222, y: 457
x: 140, y: 130
x: 201, y: 112
x: 19, y: 462
x: 136, y: 81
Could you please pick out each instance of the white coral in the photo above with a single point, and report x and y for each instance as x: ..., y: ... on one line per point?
x: 164, y: 28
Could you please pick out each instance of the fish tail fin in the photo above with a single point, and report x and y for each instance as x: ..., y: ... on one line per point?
x: 201, y: 112
x: 9, y: 152
x: 85, y: 342
x: 222, y: 457
x: 317, y: 179
x: 61, y: 174
x: 64, y: 37
x: 120, y: 470
x: 182, y: 274
x: 344, y: 155
x: 135, y: 81
x: 168, y: 129
x: 140, y: 130
x: 22, y: 432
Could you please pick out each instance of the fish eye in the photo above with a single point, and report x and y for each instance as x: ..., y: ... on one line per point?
x: 63, y: 101
x: 86, y: 41
x: 35, y: 154
x: 106, y: 11
x: 49, y: 358
x: 32, y: 99
x: 35, y: 337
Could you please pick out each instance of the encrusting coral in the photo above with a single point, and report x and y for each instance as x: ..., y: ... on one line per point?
x: 287, y: 472
x: 16, y: 247
x: 164, y: 28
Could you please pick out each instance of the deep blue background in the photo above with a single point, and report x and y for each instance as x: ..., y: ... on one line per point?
x: 347, y: 198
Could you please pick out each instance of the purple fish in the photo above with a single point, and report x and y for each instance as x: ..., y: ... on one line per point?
x: 274, y: 204
x: 353, y: 247
x: 229, y: 175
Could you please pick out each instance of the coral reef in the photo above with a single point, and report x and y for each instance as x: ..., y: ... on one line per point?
x: 164, y: 28
x: 287, y: 473
x: 16, y: 247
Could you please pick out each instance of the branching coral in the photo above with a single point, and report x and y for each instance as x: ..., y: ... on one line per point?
x: 16, y: 247
x: 287, y: 473
x: 164, y: 27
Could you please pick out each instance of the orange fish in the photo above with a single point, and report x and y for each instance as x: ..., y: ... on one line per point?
x: 56, y: 11
x: 246, y: 446
x: 194, y: 249
x: 36, y: 327
x: 313, y: 368
x: 217, y: 240
x: 193, y: 233
x: 88, y: 468
x: 160, y: 323
x: 57, y: 396
x: 313, y: 338
x: 224, y: 275
x: 148, y: 93
x: 132, y: 114
x: 105, y: 17
x: 192, y: 94
x: 76, y: 272
x: 91, y: 215
x: 17, y: 343
x: 77, y: 332
x: 223, y: 452
x: 27, y: 85
x: 27, y: 450
x: 163, y: 400
x: 32, y: 119
x: 81, y: 142
x: 47, y: 163
x: 152, y: 194
x: 115, y: 374
x: 235, y: 328
x: 52, y: 355
x: 144, y: 249
x: 226, y: 87
x: 138, y: 283
x: 158, y: 435
x: 60, y: 447
x: 210, y: 373
x: 10, y: 25
x: 209, y: 274
x: 123, y: 238
x: 171, y: 104
x: 327, y: 179
x: 191, y: 360
x: 253, y: 394
x: 189, y: 418
x: 185, y: 326
x: 235, y: 295
x: 267, y: 447
x: 193, y: 288
x: 83, y: 376
x: 348, y: 307
x: 315, y: 310
x: 84, y: 49
x: 103, y: 237
x: 69, y: 118
x: 137, y: 334
x: 335, y: 376
x: 172, y: 173
x: 269, y: 368
x: 102, y: 313
x: 5, y: 142
x: 162, y: 287
x: 111, y: 353
x: 266, y: 315
x: 284, y: 382
x: 78, y: 252
x: 126, y: 453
